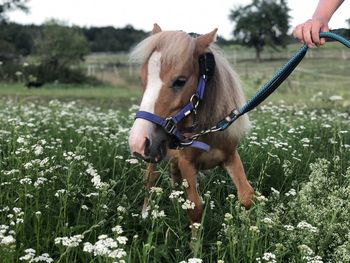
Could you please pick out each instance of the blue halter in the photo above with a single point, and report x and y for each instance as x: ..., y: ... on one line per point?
x: 206, y: 69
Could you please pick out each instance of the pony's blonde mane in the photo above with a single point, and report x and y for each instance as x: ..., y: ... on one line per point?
x: 223, y: 92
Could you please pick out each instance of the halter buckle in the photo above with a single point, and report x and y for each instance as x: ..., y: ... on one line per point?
x: 169, y: 125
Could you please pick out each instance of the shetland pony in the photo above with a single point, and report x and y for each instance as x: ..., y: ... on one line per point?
x: 169, y: 75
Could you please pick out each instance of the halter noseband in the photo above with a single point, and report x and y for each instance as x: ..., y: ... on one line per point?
x: 169, y: 124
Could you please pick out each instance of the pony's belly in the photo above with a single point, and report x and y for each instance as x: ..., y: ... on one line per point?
x: 203, y: 160
x: 208, y: 160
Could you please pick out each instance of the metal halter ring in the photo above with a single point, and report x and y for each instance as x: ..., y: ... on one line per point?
x: 194, y: 100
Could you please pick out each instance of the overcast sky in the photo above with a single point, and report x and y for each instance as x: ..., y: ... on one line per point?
x: 199, y: 16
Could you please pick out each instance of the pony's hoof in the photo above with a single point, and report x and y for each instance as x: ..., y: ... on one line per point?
x: 246, y: 197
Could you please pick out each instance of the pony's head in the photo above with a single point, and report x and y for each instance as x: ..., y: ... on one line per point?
x: 169, y: 76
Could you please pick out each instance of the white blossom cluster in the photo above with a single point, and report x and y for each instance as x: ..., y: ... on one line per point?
x: 30, y: 257
x: 72, y: 241
x: 107, y: 247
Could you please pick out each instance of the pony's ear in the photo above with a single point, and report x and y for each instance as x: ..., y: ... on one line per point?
x: 203, y: 41
x: 156, y: 29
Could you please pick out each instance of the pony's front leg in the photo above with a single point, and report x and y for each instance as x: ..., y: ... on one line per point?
x: 189, y: 172
x: 235, y: 169
x: 150, y: 178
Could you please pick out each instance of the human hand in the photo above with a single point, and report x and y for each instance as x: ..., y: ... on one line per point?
x: 308, y: 32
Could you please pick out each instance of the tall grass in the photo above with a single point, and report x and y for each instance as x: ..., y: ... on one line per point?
x: 71, y: 192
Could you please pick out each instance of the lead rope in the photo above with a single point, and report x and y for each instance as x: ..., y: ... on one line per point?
x: 268, y: 88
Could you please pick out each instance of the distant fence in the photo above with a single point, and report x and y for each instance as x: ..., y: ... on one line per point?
x: 116, y: 69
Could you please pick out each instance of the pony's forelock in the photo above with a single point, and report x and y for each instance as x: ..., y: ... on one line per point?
x: 173, y: 45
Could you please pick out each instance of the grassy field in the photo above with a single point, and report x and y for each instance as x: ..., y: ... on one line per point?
x: 71, y: 192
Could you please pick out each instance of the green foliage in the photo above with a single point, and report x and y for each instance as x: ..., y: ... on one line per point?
x: 110, y: 39
x: 262, y: 23
x: 9, y: 5
x: 59, y: 49
x: 61, y: 46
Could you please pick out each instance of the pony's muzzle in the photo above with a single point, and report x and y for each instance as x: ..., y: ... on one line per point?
x: 148, y: 142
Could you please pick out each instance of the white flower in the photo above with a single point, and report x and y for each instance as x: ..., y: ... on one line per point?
x: 254, y: 229
x: 20, y: 140
x: 117, y: 229
x: 7, y: 240
x: 291, y: 192
x: 156, y: 190
x: 188, y: 205
x: 185, y: 183
x: 122, y: 240
x: 72, y: 241
x: 268, y: 221
x: 303, y: 225
x: 38, y: 150
x: 288, y: 227
x: 132, y: 161
x: 195, y: 225
x: 175, y: 194
x: 228, y: 216
x: 335, y: 98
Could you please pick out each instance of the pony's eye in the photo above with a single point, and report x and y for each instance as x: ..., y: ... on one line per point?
x: 179, y: 82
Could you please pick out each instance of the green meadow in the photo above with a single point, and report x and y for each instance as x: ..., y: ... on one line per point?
x: 71, y: 192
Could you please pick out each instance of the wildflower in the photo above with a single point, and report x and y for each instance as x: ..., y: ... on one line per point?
x: 106, y: 246
x: 132, y: 161
x: 21, y: 140
x: 175, y: 194
x: 288, y: 227
x: 275, y: 192
x: 212, y: 205
x: 38, y: 213
x: 60, y: 192
x: 38, y: 150
x: 254, y: 229
x: 195, y: 225
x: 73, y: 241
x: 261, y: 199
x: 157, y: 214
x: 7, y: 240
x: 195, y: 260
x: 267, y: 257
x: 291, y: 192
x: 303, y: 225
x: 185, y: 183
x: 156, y: 190
x: 188, y: 205
x: 230, y: 197
x: 335, y: 98
x: 117, y: 229
x: 30, y: 256
x: 228, y: 217
x: 268, y: 221
x: 306, y: 250
x: 121, y: 209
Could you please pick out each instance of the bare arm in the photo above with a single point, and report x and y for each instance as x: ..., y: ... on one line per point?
x: 308, y: 32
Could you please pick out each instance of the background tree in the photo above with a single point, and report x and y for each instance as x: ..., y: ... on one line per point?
x: 10, y: 5
x: 348, y: 21
x: 60, y: 49
x: 262, y: 23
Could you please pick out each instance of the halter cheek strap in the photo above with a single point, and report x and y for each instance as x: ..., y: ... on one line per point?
x: 206, y: 69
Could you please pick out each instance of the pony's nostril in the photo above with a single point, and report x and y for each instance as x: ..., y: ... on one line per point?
x: 147, y: 150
